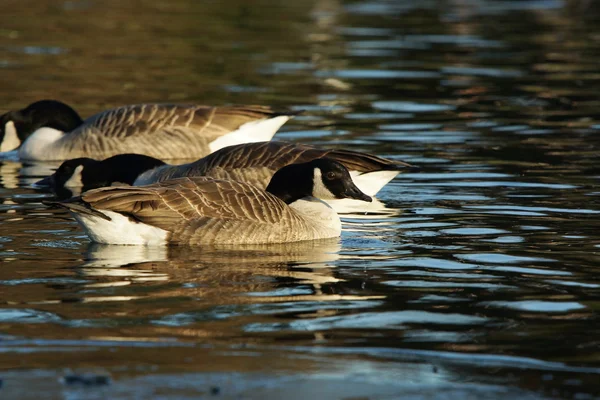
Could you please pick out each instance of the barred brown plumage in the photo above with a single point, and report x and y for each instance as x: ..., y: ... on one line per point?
x: 256, y: 163
x: 51, y: 130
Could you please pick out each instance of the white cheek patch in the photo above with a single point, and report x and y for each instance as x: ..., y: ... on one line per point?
x: 75, y: 179
x: 11, y: 140
x: 320, y: 191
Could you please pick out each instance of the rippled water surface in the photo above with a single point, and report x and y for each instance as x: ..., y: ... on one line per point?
x: 479, y: 279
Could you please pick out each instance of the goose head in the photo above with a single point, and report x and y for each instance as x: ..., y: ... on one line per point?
x: 87, y: 173
x: 69, y: 174
x: 16, y: 126
x: 322, y: 178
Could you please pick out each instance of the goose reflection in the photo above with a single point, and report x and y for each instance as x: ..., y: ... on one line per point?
x: 287, y: 271
x: 179, y: 289
x: 15, y: 173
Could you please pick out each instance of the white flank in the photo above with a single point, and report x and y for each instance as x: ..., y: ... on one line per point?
x: 320, y: 191
x: 75, y: 179
x: 372, y: 182
x: 38, y: 145
x: 11, y: 140
x: 255, y: 131
x: 325, y: 219
x: 120, y: 230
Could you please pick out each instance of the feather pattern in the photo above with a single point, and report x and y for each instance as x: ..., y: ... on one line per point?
x: 210, y: 211
x: 255, y: 163
x: 163, y: 131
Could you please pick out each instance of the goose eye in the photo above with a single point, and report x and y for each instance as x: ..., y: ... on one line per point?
x: 330, y: 175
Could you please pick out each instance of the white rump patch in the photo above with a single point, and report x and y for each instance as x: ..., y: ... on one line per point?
x: 38, y: 145
x: 255, y: 131
x: 120, y: 230
x: 75, y: 179
x: 320, y: 191
x: 372, y: 182
x: 11, y: 140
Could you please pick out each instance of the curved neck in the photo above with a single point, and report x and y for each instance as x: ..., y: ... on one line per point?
x: 45, y: 114
x: 291, y: 183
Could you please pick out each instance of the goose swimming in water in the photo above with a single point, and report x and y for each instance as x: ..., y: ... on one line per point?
x: 202, y: 210
x: 51, y: 130
x: 253, y: 163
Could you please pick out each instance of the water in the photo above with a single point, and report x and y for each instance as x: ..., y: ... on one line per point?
x: 480, y: 279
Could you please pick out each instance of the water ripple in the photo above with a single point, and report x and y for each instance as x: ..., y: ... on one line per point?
x: 495, y: 258
x: 382, y: 320
x: 537, y: 306
x: 411, y: 107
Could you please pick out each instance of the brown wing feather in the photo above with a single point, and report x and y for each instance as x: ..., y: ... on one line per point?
x: 365, y: 162
x: 273, y: 155
x: 167, y: 204
x: 276, y: 154
x: 146, y: 119
x: 255, y: 163
x: 163, y: 131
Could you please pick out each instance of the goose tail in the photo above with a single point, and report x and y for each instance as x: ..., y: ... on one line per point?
x: 77, y: 206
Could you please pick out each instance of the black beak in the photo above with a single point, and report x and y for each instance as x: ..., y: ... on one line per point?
x: 352, y: 192
x: 46, y: 182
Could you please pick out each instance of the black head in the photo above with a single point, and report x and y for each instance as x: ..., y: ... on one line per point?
x: 322, y: 178
x: 16, y: 126
x: 90, y: 174
x: 69, y: 174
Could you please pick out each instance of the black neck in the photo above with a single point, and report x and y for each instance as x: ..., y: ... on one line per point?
x: 123, y: 168
x: 291, y: 183
x: 45, y: 113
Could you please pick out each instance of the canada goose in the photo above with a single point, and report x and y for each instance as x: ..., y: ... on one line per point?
x: 204, y: 210
x: 51, y: 130
x: 253, y: 163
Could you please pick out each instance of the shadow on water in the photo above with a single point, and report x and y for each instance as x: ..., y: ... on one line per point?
x: 476, y: 276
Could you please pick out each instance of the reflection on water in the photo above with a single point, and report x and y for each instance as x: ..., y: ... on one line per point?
x: 475, y: 276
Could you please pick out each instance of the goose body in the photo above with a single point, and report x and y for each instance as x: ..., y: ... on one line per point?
x: 203, y: 211
x: 256, y: 163
x: 51, y: 130
x: 253, y: 163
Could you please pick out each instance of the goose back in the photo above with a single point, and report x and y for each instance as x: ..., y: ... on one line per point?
x: 255, y: 163
x: 163, y: 131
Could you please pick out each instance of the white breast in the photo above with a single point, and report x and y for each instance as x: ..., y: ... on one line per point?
x: 38, y: 146
x: 319, y: 215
